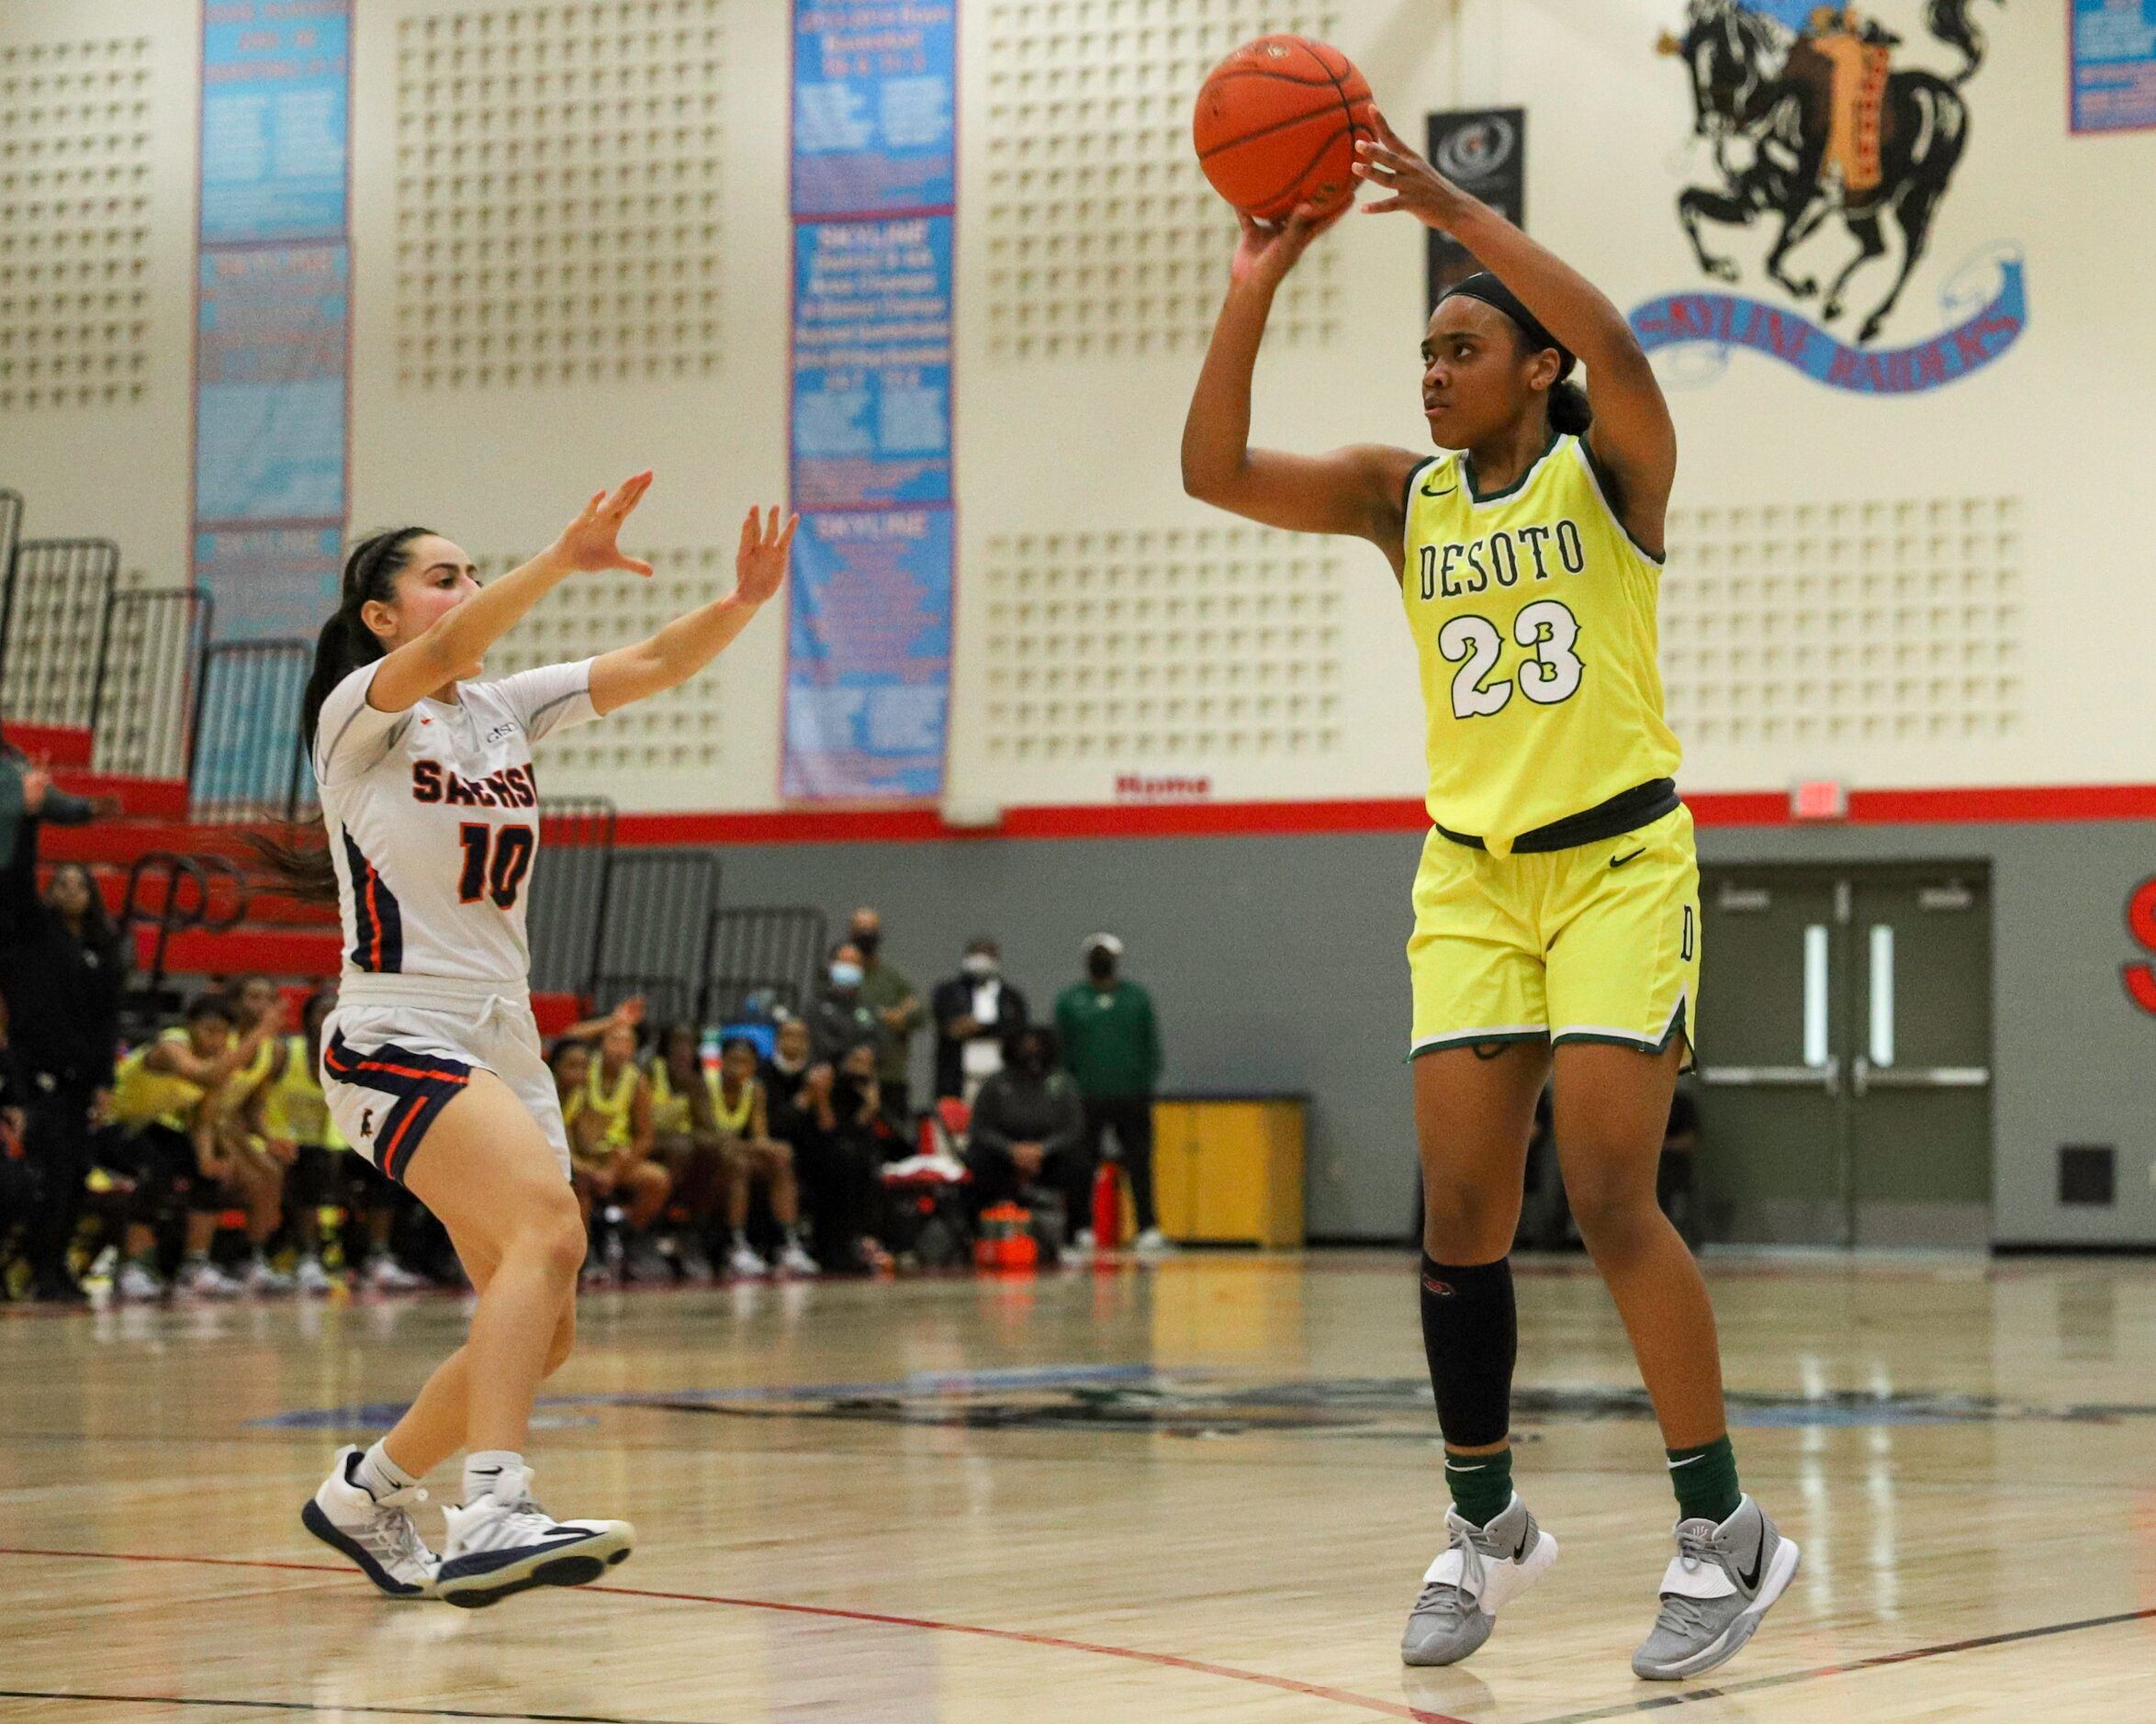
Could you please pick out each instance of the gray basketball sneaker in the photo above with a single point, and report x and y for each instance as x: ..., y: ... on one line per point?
x: 1480, y: 1569
x: 1715, y: 1592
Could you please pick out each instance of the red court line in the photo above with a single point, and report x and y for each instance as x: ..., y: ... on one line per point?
x: 1166, y: 1660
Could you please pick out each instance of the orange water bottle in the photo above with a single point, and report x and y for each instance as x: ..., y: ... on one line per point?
x: 1107, y: 1206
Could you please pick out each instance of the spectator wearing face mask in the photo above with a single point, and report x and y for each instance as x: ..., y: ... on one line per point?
x: 1112, y: 1047
x: 1028, y: 1129
x: 842, y: 1018
x: 887, y: 992
x: 974, y: 1011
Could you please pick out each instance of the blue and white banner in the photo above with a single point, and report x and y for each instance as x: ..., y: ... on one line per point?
x: 874, y: 95
x: 871, y: 361
x: 868, y: 681
x: 273, y: 335
x: 1721, y: 323
x: 867, y: 669
x: 2114, y: 65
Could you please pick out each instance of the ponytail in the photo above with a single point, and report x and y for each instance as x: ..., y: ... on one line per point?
x: 303, y: 868
x: 1570, y: 414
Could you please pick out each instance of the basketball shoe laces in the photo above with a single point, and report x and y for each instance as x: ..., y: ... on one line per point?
x: 1680, y: 1613
x: 1455, y: 1594
x: 521, y: 1520
x: 389, y: 1535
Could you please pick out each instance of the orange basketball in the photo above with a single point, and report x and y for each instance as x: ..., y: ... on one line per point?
x: 1276, y: 125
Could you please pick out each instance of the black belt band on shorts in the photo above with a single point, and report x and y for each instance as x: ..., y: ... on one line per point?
x: 1639, y: 806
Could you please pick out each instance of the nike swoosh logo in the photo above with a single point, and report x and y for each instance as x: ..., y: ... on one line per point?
x: 1520, y: 1554
x: 1446, y: 492
x: 1750, y: 1582
x: 1618, y: 862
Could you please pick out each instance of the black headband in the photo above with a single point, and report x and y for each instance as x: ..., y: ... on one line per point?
x: 1493, y: 293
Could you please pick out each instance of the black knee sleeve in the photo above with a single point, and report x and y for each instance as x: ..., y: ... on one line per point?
x: 1471, y: 1336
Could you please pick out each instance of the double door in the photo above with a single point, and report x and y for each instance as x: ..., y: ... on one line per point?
x: 1845, y: 1042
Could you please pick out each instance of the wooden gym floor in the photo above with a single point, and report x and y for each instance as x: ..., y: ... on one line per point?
x: 1203, y: 1492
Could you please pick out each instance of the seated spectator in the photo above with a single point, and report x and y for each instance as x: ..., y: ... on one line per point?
x: 255, y: 1160
x: 159, y: 1108
x: 840, y: 1189
x: 755, y: 1157
x: 325, y: 1173
x: 616, y: 1095
x: 974, y: 1011
x: 842, y: 1019
x: 688, y: 1144
x: 1029, y: 1131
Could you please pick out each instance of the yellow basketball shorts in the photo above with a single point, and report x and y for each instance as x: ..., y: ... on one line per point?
x: 1600, y: 942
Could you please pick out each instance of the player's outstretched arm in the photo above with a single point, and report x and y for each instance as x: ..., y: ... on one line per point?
x: 1633, y: 437
x: 1355, y: 490
x: 688, y: 644
x: 453, y: 648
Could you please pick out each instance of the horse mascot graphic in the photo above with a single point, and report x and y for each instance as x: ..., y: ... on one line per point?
x: 1814, y: 120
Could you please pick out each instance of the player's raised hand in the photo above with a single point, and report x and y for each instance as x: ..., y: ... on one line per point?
x: 761, y: 566
x: 1267, y: 250
x: 1390, y: 165
x: 589, y: 543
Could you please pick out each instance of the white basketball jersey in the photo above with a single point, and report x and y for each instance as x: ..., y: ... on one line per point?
x: 434, y: 820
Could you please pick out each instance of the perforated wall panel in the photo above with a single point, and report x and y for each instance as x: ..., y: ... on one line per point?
x: 1874, y: 621
x: 1102, y: 234
x: 75, y: 222
x: 558, y: 194
x: 679, y: 732
x: 1178, y: 646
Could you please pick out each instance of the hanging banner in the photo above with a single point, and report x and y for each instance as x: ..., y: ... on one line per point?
x: 874, y: 95
x: 871, y: 361
x: 868, y: 682
x: 2114, y: 65
x: 273, y: 335
x: 869, y: 659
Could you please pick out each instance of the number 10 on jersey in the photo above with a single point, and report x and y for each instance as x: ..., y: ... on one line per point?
x: 495, y: 863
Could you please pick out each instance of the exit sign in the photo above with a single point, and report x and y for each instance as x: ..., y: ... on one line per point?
x: 1819, y: 799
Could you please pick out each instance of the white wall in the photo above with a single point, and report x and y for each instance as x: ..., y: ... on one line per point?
x: 1270, y: 667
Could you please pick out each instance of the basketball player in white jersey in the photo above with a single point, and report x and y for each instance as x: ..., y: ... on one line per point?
x: 431, y: 1063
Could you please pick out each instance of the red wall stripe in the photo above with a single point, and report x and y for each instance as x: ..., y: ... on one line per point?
x: 1976, y: 806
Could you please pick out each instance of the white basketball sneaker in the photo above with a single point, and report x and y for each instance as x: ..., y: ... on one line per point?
x: 1717, y: 1588
x: 202, y: 1280
x: 310, y: 1277
x: 375, y: 1533
x: 794, y: 1260
x: 743, y: 1264
x: 136, y: 1284
x: 386, y: 1274
x: 1481, y: 1569
x: 504, y: 1542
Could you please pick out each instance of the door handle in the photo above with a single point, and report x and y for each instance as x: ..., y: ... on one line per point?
x: 1866, y: 1076
x: 1827, y: 1077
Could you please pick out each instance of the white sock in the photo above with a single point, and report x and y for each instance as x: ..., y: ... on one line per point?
x: 379, y: 1475
x: 483, y: 1469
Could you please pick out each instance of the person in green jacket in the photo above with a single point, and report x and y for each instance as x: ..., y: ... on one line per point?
x: 887, y: 992
x: 1112, y: 1049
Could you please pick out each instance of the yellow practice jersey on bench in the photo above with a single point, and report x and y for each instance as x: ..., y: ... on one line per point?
x: 1533, y: 616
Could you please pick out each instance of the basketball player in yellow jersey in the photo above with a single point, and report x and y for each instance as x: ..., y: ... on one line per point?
x: 1528, y: 552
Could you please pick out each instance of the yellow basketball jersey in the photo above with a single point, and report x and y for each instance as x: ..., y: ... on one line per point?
x: 616, y: 1108
x: 1533, y: 616
x: 295, y: 1109
x: 140, y: 1095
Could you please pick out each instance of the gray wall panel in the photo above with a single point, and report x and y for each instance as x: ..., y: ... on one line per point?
x: 1277, y: 963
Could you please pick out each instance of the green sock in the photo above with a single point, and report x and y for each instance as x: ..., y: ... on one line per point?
x: 1482, y: 1485
x: 1705, y: 1481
